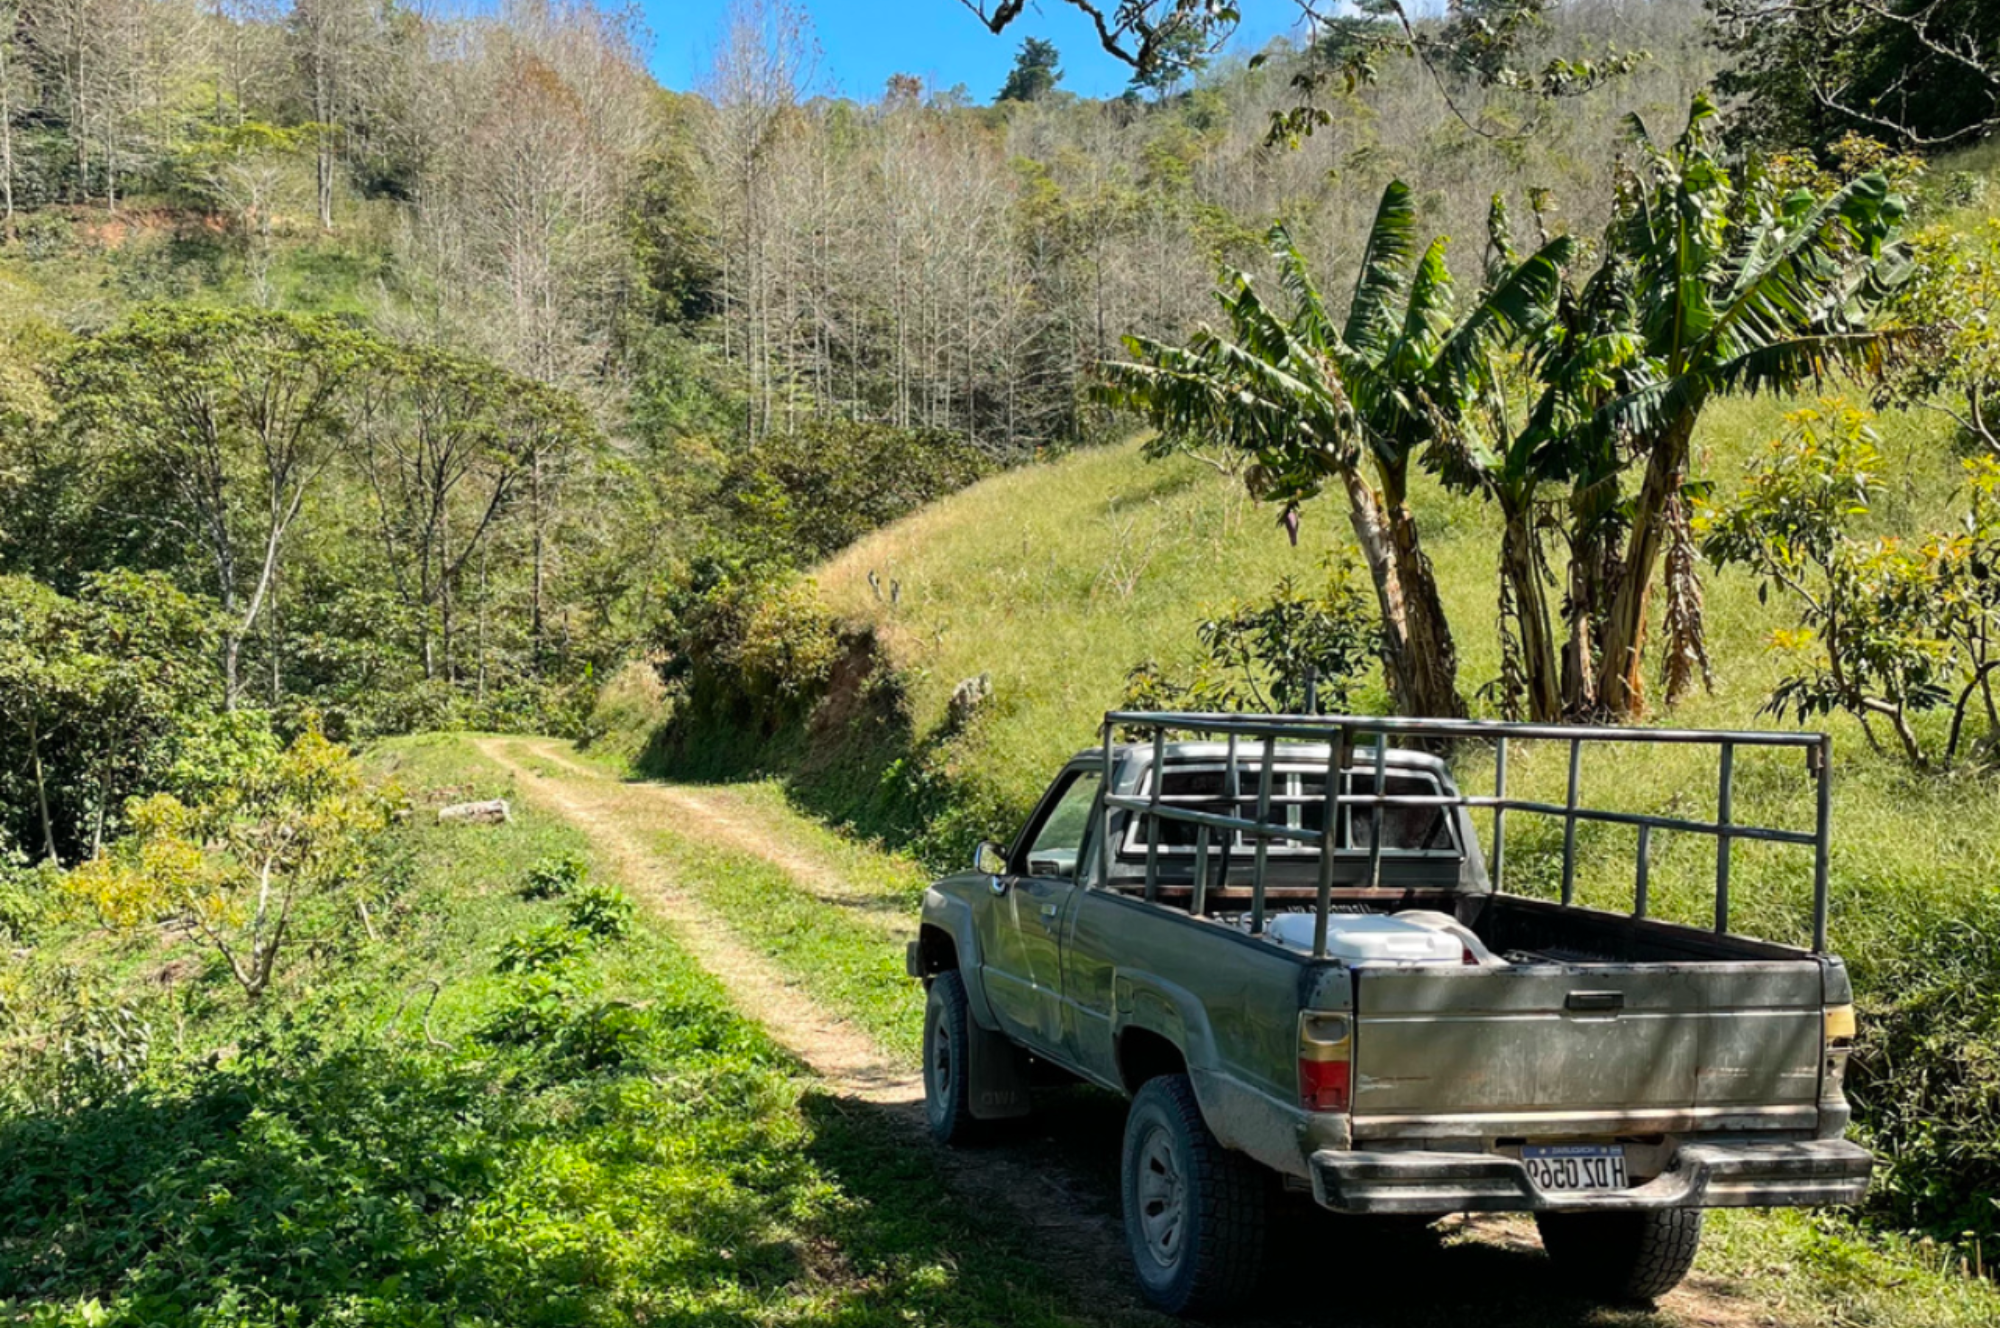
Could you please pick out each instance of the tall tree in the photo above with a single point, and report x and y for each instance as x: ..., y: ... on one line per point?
x: 1313, y: 399
x: 1035, y: 73
x: 237, y: 415
x: 1732, y: 289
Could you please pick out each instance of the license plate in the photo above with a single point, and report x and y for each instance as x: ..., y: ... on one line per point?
x: 1575, y: 1166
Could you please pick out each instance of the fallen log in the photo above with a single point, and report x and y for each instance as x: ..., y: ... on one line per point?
x: 477, y: 813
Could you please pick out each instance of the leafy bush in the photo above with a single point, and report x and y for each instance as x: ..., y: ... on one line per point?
x: 65, y: 1044
x: 1256, y: 654
x: 607, y: 1036
x: 25, y: 895
x: 541, y: 950
x: 1925, y: 1076
x: 748, y: 644
x: 554, y: 876
x: 537, y: 1008
x: 602, y: 911
x: 798, y: 496
x: 1888, y: 628
x: 244, y: 866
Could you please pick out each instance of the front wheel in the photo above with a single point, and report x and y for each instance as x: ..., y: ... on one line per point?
x: 947, y: 1048
x: 1194, y: 1211
x: 1623, y: 1255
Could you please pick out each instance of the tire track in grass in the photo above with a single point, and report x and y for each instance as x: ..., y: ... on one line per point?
x: 838, y: 1052
x: 1072, y: 1240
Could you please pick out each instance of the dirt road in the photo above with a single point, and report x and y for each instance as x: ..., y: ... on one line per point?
x: 1056, y: 1182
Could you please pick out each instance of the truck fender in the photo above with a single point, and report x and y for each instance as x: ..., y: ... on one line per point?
x: 1147, y: 1001
x: 1241, y: 1117
x: 953, y: 917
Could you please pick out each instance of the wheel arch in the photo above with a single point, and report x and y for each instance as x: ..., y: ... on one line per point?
x: 947, y: 940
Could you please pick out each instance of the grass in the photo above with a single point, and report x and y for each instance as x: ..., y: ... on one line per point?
x: 356, y: 1155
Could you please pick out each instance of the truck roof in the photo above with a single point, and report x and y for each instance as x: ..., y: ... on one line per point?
x: 1249, y: 753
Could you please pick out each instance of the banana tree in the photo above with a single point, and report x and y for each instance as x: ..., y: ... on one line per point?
x: 1315, y: 400
x: 1736, y: 290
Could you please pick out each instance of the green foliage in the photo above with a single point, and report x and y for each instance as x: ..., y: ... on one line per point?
x: 1035, y: 72
x: 1311, y: 400
x: 1920, y: 72
x: 106, y: 695
x: 749, y: 645
x: 1889, y: 628
x: 555, y: 876
x: 610, y: 1035
x: 1925, y: 1074
x: 537, y: 1007
x: 241, y: 867
x: 1955, y: 302
x: 1257, y: 653
x: 801, y: 495
x: 542, y: 949
x: 601, y: 911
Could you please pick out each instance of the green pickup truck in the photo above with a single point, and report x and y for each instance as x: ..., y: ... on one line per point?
x: 1280, y: 938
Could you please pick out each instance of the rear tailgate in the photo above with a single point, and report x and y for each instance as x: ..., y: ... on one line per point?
x: 1586, y: 1049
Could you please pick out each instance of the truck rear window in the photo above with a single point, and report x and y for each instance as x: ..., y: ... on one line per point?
x: 1298, y: 798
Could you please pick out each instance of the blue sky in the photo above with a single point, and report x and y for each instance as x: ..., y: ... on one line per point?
x: 862, y: 42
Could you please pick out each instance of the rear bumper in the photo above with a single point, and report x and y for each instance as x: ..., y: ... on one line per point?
x: 1710, y: 1175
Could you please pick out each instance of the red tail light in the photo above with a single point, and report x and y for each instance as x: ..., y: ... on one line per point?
x: 1323, y: 1085
x: 1326, y: 1045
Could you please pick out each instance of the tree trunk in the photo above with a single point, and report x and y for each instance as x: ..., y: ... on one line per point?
x: 536, y: 627
x: 1364, y: 514
x: 232, y: 650
x: 1621, y: 685
x: 41, y: 790
x: 1523, y: 570
x: 1433, y: 662
x: 7, y: 134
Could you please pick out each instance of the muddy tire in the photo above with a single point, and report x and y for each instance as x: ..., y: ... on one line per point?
x: 1623, y: 1255
x: 1195, y: 1213
x: 947, y: 1046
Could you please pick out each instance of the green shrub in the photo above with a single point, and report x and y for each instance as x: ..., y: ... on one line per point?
x: 554, y: 876
x: 607, y: 1036
x: 749, y: 648
x: 1255, y: 654
x: 25, y: 896
x: 602, y: 911
x: 537, y: 1008
x: 540, y: 950
x: 803, y: 494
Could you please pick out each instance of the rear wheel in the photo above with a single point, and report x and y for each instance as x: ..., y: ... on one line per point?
x: 947, y: 1042
x: 1623, y: 1255
x: 1194, y: 1211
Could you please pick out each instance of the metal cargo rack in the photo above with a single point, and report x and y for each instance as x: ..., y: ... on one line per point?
x: 1340, y: 733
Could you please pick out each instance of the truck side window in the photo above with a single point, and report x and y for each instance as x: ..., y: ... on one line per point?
x: 1058, y: 839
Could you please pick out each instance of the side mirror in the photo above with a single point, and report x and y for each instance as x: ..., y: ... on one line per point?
x: 989, y: 858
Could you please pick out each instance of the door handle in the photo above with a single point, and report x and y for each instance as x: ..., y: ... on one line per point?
x: 1595, y: 1002
x: 1049, y: 912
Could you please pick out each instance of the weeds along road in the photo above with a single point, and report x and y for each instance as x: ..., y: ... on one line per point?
x: 814, y: 954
